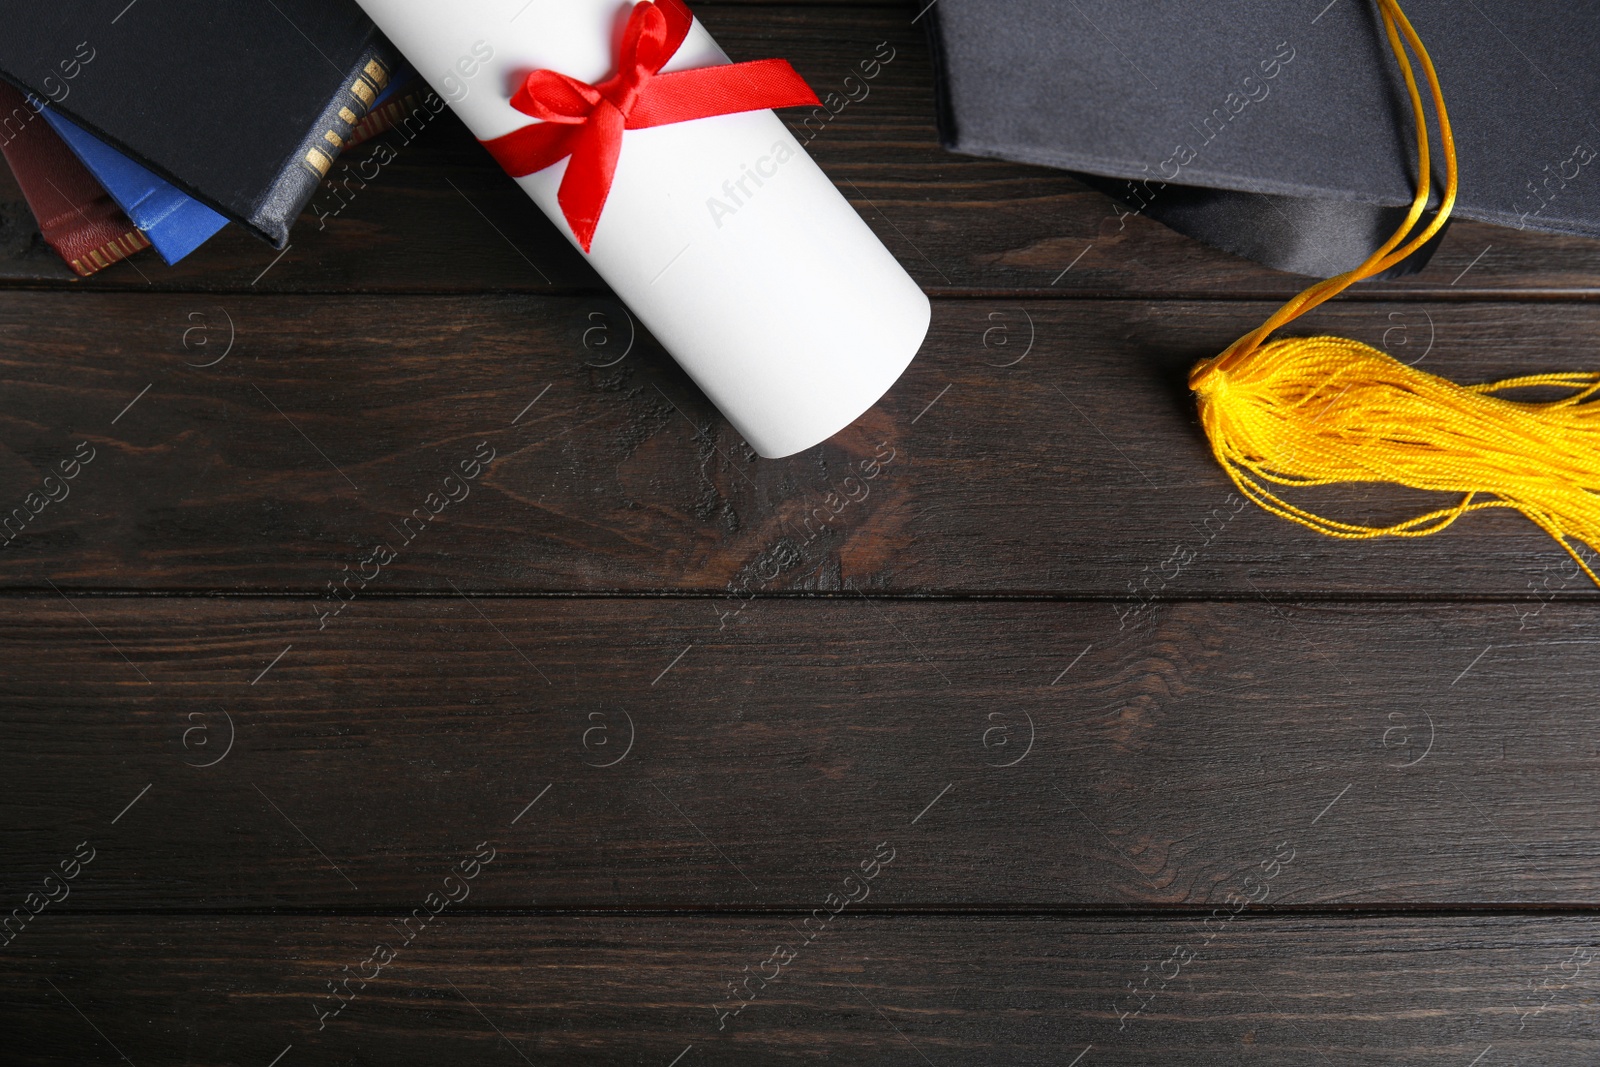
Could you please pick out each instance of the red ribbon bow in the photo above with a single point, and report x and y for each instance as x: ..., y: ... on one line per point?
x: 586, y: 121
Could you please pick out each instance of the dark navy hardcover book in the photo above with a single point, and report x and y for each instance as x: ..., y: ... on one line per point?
x: 243, y: 106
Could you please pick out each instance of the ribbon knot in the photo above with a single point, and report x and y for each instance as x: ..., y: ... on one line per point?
x: 586, y: 122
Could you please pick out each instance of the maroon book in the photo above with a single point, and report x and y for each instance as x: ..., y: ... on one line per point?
x: 75, y: 214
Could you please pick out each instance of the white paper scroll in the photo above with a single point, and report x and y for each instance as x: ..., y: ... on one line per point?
x: 721, y: 234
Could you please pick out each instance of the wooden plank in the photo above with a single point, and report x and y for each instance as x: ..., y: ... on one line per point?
x: 1064, y: 802
x: 682, y: 753
x: 1034, y: 448
x: 440, y: 217
x: 908, y: 990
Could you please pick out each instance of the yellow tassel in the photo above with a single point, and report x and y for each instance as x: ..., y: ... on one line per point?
x: 1318, y: 410
x: 1311, y: 411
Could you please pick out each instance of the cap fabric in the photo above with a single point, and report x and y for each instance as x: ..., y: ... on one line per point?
x: 1293, y: 113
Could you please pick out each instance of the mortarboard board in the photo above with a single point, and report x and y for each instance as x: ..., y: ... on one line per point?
x: 1301, y: 412
x: 1280, y: 130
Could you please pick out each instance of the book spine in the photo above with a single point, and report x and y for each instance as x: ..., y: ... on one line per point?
x: 385, y: 116
x: 75, y: 215
x: 114, y: 250
x: 305, y: 169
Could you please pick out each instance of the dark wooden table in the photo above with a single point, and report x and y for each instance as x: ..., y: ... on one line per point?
x: 420, y: 671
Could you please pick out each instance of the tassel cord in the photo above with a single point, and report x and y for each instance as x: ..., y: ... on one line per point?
x: 1315, y: 411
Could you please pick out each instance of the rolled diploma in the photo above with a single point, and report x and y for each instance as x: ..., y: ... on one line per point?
x: 724, y: 237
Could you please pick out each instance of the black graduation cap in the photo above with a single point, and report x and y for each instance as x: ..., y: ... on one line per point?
x: 1280, y: 129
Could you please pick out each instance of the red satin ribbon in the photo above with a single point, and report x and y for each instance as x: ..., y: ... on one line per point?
x: 586, y: 121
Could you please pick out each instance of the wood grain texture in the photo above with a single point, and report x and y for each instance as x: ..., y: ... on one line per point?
x: 441, y: 217
x: 687, y: 753
x: 908, y: 990
x: 1138, y: 774
x: 1034, y: 448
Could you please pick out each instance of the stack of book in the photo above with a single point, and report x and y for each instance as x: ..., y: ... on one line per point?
x: 155, y: 124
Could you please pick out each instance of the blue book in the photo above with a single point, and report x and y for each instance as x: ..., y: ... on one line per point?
x: 401, y: 80
x: 175, y: 222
